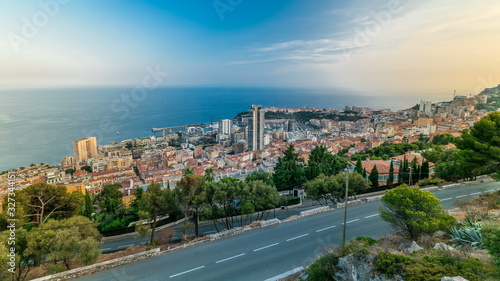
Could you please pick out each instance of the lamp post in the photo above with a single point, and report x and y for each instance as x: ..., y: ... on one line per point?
x: 345, y: 205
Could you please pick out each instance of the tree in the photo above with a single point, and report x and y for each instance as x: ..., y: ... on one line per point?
x: 88, y: 208
x: 359, y: 167
x: 332, y: 189
x: 452, y: 165
x: 41, y: 202
x: 373, y: 177
x: 209, y: 175
x: 225, y: 196
x: 323, y: 162
x: 289, y: 173
x: 142, y: 227
x: 267, y: 178
x: 188, y: 171
x: 481, y: 145
x: 413, y: 212
x: 192, y: 195
x: 443, y: 139
x: 70, y: 171
x: 390, y: 178
x: 110, y: 199
x: 257, y: 196
x: 414, y: 171
x: 400, y: 172
x: 23, y: 262
x: 424, y: 170
x: 65, y: 240
x: 87, y: 169
x: 156, y: 201
x: 404, y: 171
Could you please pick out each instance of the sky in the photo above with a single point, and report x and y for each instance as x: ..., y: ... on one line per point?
x: 389, y: 47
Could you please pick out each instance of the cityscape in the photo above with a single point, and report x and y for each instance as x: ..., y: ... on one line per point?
x: 250, y: 140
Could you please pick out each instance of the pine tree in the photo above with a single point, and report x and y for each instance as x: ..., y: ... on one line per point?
x: 390, y: 179
x: 400, y: 172
x: 89, y: 207
x: 406, y: 171
x: 414, y: 171
x: 374, y: 177
x: 359, y: 167
x: 424, y: 170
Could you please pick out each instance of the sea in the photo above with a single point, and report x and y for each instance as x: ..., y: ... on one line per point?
x: 39, y: 125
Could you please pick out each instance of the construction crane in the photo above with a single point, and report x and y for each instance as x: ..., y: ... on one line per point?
x: 211, y: 122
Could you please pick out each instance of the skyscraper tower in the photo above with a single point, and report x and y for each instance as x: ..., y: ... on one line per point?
x: 85, y: 149
x: 225, y: 126
x: 256, y: 128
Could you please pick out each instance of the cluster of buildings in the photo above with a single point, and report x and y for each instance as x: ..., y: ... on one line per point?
x: 248, y: 143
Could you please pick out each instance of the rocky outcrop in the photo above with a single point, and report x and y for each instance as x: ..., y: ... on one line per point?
x: 414, y: 247
x: 351, y: 268
x: 443, y: 247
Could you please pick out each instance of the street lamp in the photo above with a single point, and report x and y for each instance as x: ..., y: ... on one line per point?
x: 345, y: 204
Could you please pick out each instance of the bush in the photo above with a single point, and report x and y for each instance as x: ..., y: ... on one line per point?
x: 491, y: 240
x: 439, y: 264
x: 413, y: 212
x: 430, y: 182
x: 116, y: 224
x: 358, y: 246
x: 323, y: 269
x: 391, y: 264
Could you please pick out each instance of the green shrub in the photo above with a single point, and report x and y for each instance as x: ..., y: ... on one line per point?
x: 438, y: 264
x: 358, y: 246
x: 491, y: 240
x: 116, y: 224
x: 391, y: 264
x: 323, y: 269
x: 430, y: 182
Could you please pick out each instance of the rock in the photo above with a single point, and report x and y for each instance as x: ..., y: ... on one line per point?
x: 440, y: 233
x: 360, y: 269
x: 443, y: 247
x: 414, y: 247
x: 456, y: 278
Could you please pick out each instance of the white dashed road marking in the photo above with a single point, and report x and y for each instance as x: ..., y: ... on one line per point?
x: 297, y: 237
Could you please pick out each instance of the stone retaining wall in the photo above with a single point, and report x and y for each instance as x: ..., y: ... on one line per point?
x: 79, y: 272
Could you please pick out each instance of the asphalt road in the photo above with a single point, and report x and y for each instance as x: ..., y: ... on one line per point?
x: 263, y: 253
x: 121, y: 242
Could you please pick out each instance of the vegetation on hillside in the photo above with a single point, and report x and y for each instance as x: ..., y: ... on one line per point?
x: 391, y: 257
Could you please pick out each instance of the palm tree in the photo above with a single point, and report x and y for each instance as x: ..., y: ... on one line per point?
x: 209, y: 175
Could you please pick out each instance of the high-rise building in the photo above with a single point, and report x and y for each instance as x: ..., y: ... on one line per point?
x: 85, y: 149
x: 425, y: 106
x: 256, y: 128
x: 225, y: 126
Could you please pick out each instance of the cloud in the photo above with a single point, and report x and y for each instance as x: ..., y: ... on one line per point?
x: 432, y: 47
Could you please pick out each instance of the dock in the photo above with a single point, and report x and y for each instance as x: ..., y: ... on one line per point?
x: 166, y: 129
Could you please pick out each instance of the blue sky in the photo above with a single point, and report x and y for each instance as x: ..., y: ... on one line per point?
x: 384, y: 47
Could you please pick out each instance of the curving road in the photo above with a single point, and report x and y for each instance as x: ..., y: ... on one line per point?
x: 263, y: 253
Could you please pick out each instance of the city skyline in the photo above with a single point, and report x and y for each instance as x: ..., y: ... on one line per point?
x: 382, y: 48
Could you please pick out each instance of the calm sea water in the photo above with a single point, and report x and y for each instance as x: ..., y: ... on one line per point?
x: 40, y: 125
